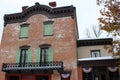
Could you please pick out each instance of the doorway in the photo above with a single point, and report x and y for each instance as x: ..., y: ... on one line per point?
x: 100, y: 73
x: 100, y: 77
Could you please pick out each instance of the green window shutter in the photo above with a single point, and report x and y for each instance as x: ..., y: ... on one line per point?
x: 50, y: 54
x: 18, y: 56
x: 24, y: 31
x: 48, y: 29
x: 29, y: 55
x: 38, y: 55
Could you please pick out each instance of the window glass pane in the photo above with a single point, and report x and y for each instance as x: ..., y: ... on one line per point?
x: 96, y: 78
x: 95, y: 53
x: 23, y: 53
x: 23, y: 56
x: 48, y: 29
x: 45, y: 54
x: 24, y: 31
x: 13, y: 78
x: 42, y: 55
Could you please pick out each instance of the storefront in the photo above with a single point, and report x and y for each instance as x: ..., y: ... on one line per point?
x: 28, y: 77
x: 99, y: 69
x: 32, y: 71
x: 100, y: 73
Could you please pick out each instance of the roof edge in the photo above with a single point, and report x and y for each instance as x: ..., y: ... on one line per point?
x: 40, y: 9
x: 94, y: 42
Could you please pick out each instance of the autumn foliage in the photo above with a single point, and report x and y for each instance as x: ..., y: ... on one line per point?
x: 111, y: 13
x: 110, y: 22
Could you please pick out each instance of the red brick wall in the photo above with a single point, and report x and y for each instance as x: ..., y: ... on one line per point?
x: 63, y: 41
x: 79, y: 73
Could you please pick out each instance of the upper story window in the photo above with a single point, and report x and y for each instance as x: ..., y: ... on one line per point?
x: 48, y: 28
x: 95, y: 53
x: 44, y: 54
x: 24, y: 30
x: 23, y: 55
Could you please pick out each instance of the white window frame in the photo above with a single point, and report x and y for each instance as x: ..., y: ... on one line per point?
x: 95, y: 53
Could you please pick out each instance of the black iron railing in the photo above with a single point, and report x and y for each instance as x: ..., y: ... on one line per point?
x: 55, y: 65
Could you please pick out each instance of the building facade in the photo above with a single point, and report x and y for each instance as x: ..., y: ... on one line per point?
x: 95, y: 62
x: 39, y: 43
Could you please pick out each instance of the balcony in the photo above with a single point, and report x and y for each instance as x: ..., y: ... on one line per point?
x: 32, y: 67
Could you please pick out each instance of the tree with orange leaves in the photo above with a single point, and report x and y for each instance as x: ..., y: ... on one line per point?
x: 110, y: 22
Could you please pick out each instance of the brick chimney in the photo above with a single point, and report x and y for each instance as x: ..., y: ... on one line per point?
x: 24, y: 8
x: 52, y: 4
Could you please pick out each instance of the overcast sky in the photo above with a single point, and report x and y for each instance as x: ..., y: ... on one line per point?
x: 87, y: 11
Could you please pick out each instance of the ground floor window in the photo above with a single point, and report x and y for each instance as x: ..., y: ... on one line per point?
x: 42, y: 78
x: 28, y: 77
x: 13, y: 78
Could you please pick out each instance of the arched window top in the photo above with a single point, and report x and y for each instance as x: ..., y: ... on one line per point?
x: 44, y: 45
x: 25, y: 47
x: 24, y: 24
x: 48, y: 22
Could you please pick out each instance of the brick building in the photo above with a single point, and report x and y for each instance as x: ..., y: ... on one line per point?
x: 39, y: 43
